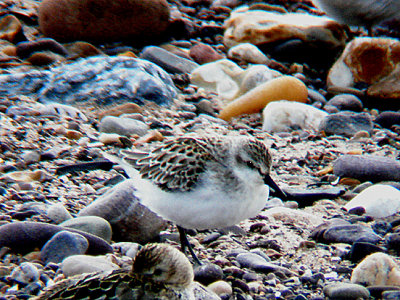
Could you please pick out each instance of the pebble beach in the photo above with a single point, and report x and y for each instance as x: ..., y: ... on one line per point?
x: 81, y: 79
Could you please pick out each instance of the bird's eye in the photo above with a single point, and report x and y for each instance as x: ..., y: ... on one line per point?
x: 251, y: 165
x: 157, y: 272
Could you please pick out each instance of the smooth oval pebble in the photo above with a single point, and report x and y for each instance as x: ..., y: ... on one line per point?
x: 208, y: 273
x: 220, y: 287
x: 388, y: 118
x: 281, y: 88
x: 90, y: 224
x: 346, y: 102
x: 346, y: 291
x: 24, y: 237
x: 79, y: 264
x: 367, y: 168
x: 62, y: 245
x: 379, y: 201
x: 123, y: 126
x: 58, y: 213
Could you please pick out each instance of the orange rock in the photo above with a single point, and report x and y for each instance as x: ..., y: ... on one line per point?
x: 281, y: 88
x: 103, y: 20
x: 128, y: 54
x: 10, y: 28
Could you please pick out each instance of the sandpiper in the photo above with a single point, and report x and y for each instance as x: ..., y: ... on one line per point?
x: 360, y: 12
x: 203, y: 182
x: 159, y: 271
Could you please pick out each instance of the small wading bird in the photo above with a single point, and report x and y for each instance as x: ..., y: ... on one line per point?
x: 203, y: 182
x: 365, y: 13
x: 159, y: 271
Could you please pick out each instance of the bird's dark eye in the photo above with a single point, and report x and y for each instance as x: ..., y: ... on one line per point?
x: 251, y: 165
x: 157, y: 272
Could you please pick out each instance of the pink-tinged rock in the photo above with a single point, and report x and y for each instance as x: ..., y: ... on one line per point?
x: 374, y: 61
x: 103, y: 20
x: 202, y: 54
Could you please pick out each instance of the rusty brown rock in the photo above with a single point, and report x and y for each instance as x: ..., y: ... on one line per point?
x: 10, y: 28
x: 202, y: 54
x: 103, y: 20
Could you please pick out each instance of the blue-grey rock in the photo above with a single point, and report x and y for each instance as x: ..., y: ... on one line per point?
x: 367, y: 168
x: 208, y: 273
x: 58, y: 213
x: 102, y: 79
x: 91, y: 224
x: 168, y: 61
x: 62, y: 245
x: 130, y: 220
x: 344, y: 291
x: 25, y: 273
x: 123, y: 126
x: 346, y: 123
x: 260, y: 264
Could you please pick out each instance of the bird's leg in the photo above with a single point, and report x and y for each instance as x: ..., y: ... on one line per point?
x: 185, y: 244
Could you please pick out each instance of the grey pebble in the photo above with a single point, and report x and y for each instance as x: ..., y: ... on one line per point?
x: 346, y: 123
x: 58, y: 213
x: 123, y: 126
x: 168, y: 61
x: 346, y: 102
x: 343, y: 291
x: 259, y: 264
x: 367, y: 167
x: 130, y: 220
x: 91, y: 224
x: 62, y: 245
x: 30, y: 157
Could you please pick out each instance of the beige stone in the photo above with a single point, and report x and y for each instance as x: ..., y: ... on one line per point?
x: 377, y: 269
x: 260, y: 27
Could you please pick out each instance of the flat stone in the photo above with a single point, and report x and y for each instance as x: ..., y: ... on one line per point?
x: 92, y: 79
x: 168, y: 61
x: 62, y: 245
x: 90, y: 224
x: 346, y: 102
x: 346, y: 123
x: 367, y: 168
x: 343, y: 291
x: 79, y: 264
x: 123, y: 126
x: 130, y: 220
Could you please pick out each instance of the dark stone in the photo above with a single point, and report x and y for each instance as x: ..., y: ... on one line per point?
x: 359, y: 250
x: 208, y: 273
x: 25, y: 237
x: 346, y: 291
x: 26, y: 49
x: 376, y: 291
x: 388, y: 118
x: 367, y: 168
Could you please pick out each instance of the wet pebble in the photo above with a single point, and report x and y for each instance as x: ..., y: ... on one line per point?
x: 79, y: 264
x: 90, y: 224
x: 346, y: 123
x: 62, y: 245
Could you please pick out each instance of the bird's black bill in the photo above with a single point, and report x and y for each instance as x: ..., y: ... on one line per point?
x: 277, y: 191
